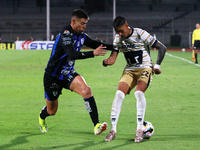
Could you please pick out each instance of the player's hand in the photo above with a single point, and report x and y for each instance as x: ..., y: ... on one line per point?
x: 157, y: 71
x: 100, y: 51
x: 109, y: 61
x: 105, y: 62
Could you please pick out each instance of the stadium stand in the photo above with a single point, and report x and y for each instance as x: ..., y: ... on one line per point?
x: 161, y: 18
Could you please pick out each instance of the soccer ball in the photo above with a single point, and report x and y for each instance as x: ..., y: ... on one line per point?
x: 148, y: 130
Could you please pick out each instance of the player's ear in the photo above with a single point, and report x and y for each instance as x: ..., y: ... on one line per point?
x: 73, y: 20
x: 126, y: 24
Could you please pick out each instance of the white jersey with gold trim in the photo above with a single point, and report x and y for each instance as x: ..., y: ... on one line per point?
x: 135, y: 49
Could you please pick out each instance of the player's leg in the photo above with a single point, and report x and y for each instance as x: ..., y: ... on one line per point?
x: 52, y: 92
x: 79, y: 86
x: 195, y: 54
x: 196, y: 47
x: 48, y: 110
x: 142, y: 84
x: 117, y: 103
x: 125, y: 83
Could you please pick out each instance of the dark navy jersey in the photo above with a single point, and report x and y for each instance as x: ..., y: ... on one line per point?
x: 66, y: 50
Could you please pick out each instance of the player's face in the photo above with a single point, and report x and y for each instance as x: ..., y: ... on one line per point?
x: 197, y: 26
x: 124, y: 31
x: 79, y: 24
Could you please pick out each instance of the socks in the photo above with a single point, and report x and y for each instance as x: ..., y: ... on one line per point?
x: 44, y: 113
x: 91, y: 107
x: 196, y: 58
x: 116, y: 109
x: 141, y: 107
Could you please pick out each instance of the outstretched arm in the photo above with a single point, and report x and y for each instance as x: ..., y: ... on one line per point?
x: 66, y: 42
x: 161, y: 53
x: 94, y: 44
x: 111, y: 59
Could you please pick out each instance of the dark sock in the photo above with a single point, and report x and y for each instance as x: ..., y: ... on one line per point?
x: 44, y: 113
x: 92, y: 109
x: 196, y: 58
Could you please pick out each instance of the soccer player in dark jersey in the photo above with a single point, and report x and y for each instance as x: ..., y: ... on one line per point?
x: 60, y: 72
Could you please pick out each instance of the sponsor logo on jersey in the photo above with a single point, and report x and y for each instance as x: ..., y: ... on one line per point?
x: 66, y: 32
x: 127, y: 46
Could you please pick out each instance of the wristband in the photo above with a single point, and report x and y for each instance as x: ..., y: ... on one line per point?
x: 157, y: 66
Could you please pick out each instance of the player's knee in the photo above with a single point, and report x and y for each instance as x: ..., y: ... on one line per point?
x: 139, y: 95
x: 120, y: 94
x: 86, y: 92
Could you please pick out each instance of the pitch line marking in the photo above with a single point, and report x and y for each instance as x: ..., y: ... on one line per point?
x: 183, y: 59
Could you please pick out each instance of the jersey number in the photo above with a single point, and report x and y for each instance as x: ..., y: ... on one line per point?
x: 133, y: 57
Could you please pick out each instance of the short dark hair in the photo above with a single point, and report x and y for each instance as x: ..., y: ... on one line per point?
x: 79, y: 13
x: 118, y: 21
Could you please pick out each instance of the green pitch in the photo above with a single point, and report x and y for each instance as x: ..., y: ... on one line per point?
x: 173, y: 105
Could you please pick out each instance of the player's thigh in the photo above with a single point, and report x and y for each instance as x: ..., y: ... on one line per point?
x: 52, y: 87
x: 127, y: 81
x: 79, y: 86
x: 144, y: 79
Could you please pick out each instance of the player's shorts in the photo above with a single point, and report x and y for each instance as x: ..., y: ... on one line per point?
x: 197, y: 44
x: 53, y: 86
x: 131, y: 77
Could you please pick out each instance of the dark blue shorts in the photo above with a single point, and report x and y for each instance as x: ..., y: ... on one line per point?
x: 53, y: 86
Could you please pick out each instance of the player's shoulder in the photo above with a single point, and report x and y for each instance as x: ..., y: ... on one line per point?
x: 116, y: 39
x: 196, y: 30
x: 67, y: 31
x: 138, y: 30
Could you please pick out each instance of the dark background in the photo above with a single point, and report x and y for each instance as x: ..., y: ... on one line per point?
x: 171, y: 21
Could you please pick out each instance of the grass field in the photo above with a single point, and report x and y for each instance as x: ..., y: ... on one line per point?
x: 172, y: 105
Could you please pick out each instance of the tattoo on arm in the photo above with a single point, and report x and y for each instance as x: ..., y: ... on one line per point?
x: 161, y: 52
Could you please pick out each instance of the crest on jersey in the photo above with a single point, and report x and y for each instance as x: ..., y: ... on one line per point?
x: 66, y: 32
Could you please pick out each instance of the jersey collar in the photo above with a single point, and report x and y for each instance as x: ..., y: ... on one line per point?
x: 131, y: 32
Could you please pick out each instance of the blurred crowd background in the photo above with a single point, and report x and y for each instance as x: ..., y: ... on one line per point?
x: 171, y: 21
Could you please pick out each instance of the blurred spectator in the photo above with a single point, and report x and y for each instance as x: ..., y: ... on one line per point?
x: 31, y: 38
x: 97, y: 39
x: 17, y: 38
x: 52, y: 37
x: 102, y: 40
x: 0, y: 38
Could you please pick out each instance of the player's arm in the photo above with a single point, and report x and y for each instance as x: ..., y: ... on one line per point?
x: 161, y: 53
x: 193, y: 38
x: 151, y: 41
x: 111, y: 60
x: 67, y: 44
x: 94, y: 44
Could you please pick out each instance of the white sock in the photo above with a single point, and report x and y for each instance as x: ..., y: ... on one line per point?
x: 141, y: 107
x: 116, y: 108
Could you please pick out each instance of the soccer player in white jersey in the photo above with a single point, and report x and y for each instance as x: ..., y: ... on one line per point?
x: 138, y: 71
